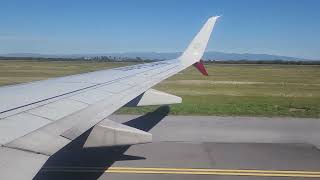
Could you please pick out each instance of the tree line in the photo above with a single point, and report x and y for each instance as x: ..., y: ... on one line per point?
x: 139, y: 59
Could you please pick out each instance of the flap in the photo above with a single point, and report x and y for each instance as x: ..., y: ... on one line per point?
x: 17, y: 164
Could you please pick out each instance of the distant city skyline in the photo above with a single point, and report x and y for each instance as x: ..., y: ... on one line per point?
x: 286, y: 27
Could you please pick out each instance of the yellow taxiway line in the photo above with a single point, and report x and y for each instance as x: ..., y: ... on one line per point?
x: 226, y: 172
x: 192, y: 171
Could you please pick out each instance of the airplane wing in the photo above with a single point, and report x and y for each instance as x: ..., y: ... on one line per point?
x: 39, y: 118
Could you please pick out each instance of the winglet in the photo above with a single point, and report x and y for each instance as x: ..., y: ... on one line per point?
x: 196, y: 48
x: 199, y: 65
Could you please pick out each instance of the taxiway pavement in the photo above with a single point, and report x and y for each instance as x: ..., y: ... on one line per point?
x: 199, y: 147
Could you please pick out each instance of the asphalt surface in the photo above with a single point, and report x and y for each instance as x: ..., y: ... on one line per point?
x: 195, y: 147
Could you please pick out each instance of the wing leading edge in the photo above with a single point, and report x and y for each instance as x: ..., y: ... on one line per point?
x: 67, y: 115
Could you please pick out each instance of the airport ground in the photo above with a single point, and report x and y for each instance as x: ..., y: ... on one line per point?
x: 230, y: 90
x: 238, y: 123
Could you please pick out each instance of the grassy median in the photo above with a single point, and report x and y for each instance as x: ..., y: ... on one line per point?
x: 245, y: 90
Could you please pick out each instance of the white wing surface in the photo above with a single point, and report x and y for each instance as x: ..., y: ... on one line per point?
x: 39, y: 118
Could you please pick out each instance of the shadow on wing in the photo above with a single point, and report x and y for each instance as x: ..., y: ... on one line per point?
x: 75, y: 162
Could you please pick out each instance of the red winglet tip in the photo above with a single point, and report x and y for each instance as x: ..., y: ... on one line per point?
x: 199, y: 65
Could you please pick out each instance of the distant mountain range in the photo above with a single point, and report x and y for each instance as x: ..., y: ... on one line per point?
x: 209, y: 55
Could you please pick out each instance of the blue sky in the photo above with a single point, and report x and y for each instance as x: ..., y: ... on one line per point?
x: 282, y: 27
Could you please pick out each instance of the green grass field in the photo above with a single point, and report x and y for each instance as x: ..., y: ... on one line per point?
x: 245, y: 90
x: 12, y: 72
